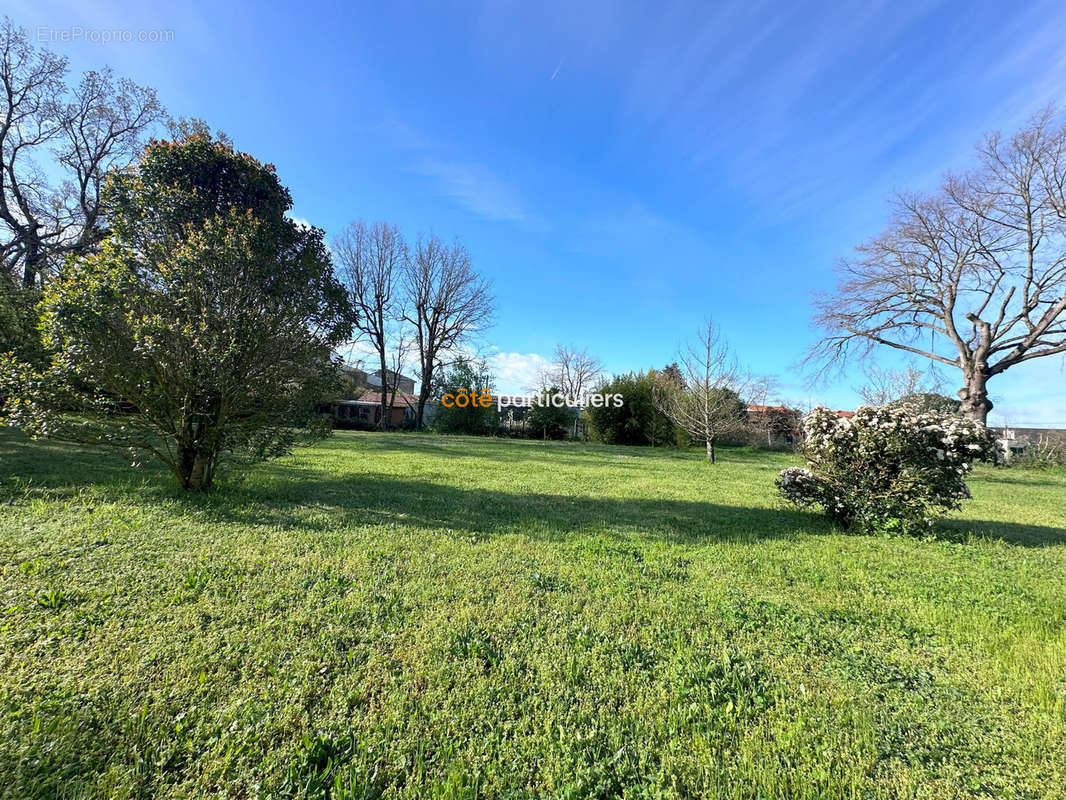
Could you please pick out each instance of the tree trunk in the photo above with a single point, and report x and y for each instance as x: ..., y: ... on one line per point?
x: 710, y: 449
x: 974, y: 394
x: 197, y: 469
x: 422, y: 397
x: 30, y: 265
x: 386, y: 412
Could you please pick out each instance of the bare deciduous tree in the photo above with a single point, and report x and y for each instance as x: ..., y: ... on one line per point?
x: 572, y: 371
x: 973, y: 277
x: 371, y: 260
x: 709, y: 399
x: 446, y: 303
x: 84, y: 132
x: 884, y: 386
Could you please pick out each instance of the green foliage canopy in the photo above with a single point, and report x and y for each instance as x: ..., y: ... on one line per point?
x: 638, y: 421
x: 472, y: 378
x: 548, y: 421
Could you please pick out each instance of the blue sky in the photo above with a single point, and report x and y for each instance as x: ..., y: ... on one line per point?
x: 620, y: 171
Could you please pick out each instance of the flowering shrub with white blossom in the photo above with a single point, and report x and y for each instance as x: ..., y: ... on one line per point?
x: 886, y: 468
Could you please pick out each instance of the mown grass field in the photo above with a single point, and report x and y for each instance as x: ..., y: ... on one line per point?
x: 418, y: 616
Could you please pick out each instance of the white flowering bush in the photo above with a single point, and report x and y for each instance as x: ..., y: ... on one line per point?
x: 886, y: 468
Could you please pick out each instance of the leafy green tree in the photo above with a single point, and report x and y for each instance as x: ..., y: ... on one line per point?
x: 548, y: 421
x: 18, y: 321
x: 638, y: 420
x: 467, y: 406
x: 204, y: 325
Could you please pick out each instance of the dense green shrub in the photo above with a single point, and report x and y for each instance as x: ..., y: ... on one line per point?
x: 547, y: 421
x: 638, y: 420
x: 888, y: 468
x: 928, y: 401
x: 18, y: 321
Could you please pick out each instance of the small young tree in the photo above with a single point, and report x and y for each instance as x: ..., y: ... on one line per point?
x: 708, y: 400
x: 203, y: 326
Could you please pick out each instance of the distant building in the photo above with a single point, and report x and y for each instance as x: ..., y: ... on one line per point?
x: 366, y: 410
x: 1014, y: 441
x: 359, y: 404
x: 403, y: 384
x: 358, y: 378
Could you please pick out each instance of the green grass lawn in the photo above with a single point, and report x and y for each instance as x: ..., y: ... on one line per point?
x: 419, y: 616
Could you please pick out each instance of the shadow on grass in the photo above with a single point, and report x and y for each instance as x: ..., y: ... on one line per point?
x: 503, y: 449
x: 1045, y: 478
x: 307, y: 498
x: 66, y: 468
x: 319, y: 502
x: 961, y: 530
x: 290, y: 495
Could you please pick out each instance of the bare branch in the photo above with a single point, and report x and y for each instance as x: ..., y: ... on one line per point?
x: 574, y: 372
x: 84, y: 132
x: 707, y: 398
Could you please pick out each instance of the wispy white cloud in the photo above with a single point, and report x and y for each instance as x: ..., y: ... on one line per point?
x: 476, y: 188
x: 802, y: 108
x: 516, y: 373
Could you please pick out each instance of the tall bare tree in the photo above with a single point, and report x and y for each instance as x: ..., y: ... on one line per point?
x: 973, y: 276
x: 446, y: 303
x: 572, y: 371
x: 371, y: 260
x: 56, y: 144
x: 706, y: 395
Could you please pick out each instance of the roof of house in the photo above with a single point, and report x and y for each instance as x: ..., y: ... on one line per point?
x: 374, y: 399
x: 769, y: 409
x: 844, y: 414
